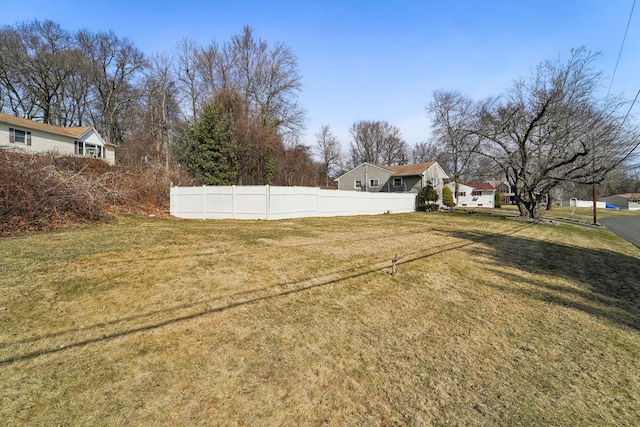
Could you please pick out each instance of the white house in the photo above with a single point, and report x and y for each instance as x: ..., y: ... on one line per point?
x: 39, y: 138
x: 474, y: 195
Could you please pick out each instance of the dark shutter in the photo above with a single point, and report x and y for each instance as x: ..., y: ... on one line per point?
x: 12, y: 135
x: 75, y: 147
x: 28, y: 138
x: 104, y: 152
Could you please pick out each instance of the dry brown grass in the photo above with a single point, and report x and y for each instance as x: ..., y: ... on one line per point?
x: 299, y: 322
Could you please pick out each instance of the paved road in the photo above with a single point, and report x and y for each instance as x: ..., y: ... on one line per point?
x: 627, y: 227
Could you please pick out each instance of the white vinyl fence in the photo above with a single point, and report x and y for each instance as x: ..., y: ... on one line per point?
x: 575, y: 203
x: 269, y: 202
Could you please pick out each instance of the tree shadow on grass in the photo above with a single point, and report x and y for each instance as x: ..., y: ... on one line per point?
x: 599, y: 282
x: 175, y: 314
x: 202, y: 308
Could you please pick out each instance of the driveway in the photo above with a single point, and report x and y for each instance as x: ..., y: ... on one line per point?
x: 627, y: 227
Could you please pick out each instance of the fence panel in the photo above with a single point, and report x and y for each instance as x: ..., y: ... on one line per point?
x: 268, y: 202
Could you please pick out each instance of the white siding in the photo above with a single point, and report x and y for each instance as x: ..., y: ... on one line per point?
x: 44, y: 142
x: 485, y: 200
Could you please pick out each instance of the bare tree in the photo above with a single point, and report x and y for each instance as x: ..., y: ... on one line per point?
x: 37, y: 62
x: 377, y: 142
x: 118, y: 66
x: 624, y: 179
x: 426, y: 152
x: 161, y: 110
x: 453, y: 116
x: 186, y: 54
x: 268, y: 78
x: 215, y: 70
x: 552, y: 129
x: 258, y: 145
x: 330, y: 152
x: 295, y: 165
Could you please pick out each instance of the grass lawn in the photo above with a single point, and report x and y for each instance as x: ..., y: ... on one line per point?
x: 578, y: 215
x: 489, y: 321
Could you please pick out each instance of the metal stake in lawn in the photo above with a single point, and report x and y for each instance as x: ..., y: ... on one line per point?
x: 394, y: 267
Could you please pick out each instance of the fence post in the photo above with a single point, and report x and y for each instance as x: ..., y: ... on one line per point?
x: 268, y: 201
x: 233, y: 201
x: 204, y: 202
x: 295, y: 200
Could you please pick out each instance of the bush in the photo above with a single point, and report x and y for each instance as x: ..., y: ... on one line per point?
x: 447, y: 197
x: 81, y: 164
x: 34, y: 195
x: 427, y: 207
x: 40, y: 193
x: 426, y: 199
x: 498, y: 200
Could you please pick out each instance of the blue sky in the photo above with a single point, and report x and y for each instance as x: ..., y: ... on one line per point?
x: 378, y: 60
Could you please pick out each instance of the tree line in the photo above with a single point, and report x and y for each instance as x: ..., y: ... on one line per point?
x: 151, y: 106
x: 147, y: 104
x: 229, y: 113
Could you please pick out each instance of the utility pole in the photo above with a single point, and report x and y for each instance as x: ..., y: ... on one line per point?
x: 595, y: 207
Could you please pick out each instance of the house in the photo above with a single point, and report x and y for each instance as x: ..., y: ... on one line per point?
x: 474, y: 195
x: 39, y: 138
x: 628, y: 201
x: 373, y: 177
x: 503, y: 187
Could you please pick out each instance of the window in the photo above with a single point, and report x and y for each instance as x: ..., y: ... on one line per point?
x: 20, y: 137
x: 434, y: 181
x: 397, y: 182
x: 17, y: 136
x: 357, y: 184
x: 373, y: 183
x: 476, y: 193
x: 89, y: 150
x: 462, y: 194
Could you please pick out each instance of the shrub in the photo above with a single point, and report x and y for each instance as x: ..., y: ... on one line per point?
x: 81, y: 164
x: 447, y: 197
x: 43, y: 192
x: 34, y: 195
x: 498, y: 200
x: 426, y: 199
x: 428, y: 207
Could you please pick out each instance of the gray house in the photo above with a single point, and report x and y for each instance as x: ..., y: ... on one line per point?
x: 372, y: 177
x: 628, y: 201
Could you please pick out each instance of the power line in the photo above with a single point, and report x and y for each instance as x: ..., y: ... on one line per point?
x: 634, y: 101
x: 621, y: 46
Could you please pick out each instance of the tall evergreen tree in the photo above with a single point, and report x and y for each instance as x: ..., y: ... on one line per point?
x: 208, y: 148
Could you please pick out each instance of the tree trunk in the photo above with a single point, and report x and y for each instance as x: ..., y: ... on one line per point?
x: 528, y: 209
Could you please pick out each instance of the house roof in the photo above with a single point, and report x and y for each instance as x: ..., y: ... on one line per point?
x: 481, y: 186
x: 630, y: 196
x: 407, y: 170
x: 73, y: 132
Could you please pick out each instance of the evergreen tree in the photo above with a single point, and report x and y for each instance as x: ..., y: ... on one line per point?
x: 447, y: 197
x: 427, y: 199
x: 498, y: 200
x: 208, y: 148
